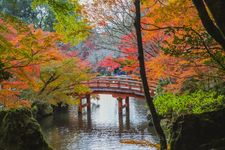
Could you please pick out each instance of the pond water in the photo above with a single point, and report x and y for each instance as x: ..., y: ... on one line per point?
x: 103, y: 129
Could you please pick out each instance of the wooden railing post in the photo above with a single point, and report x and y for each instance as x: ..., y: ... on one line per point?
x: 119, y: 83
x: 97, y: 82
x: 108, y: 83
x: 129, y: 84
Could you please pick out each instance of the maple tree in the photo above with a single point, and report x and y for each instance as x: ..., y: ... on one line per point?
x: 176, y: 46
x: 59, y: 81
x: 177, y: 36
x: 117, y: 24
x: 176, y: 42
x: 109, y: 63
x: 186, y: 40
x: 16, y: 55
x: 28, y: 54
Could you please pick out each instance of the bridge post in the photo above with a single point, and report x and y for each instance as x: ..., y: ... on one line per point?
x: 97, y: 83
x: 127, y: 106
x: 120, y: 105
x: 88, y: 97
x: 89, y: 123
x: 127, y: 113
x: 80, y: 108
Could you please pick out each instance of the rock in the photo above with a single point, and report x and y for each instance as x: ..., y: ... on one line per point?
x: 2, y: 115
x: 190, y: 132
x: 41, y: 109
x: 20, y: 131
x: 218, y: 144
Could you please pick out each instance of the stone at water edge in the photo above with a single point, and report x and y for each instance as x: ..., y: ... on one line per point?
x: 199, y: 132
x: 20, y: 131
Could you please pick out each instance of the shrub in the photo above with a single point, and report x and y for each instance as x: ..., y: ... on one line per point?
x: 169, y: 104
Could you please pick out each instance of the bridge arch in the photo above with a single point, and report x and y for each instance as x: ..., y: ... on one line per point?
x: 119, y: 87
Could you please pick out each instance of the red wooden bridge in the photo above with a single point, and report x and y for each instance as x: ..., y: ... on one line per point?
x: 119, y: 87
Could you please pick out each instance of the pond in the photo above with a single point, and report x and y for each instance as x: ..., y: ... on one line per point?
x: 103, y: 129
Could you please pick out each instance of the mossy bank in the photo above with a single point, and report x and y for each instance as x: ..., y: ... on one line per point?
x: 20, y: 131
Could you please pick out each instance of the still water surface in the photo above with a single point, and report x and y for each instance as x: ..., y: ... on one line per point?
x: 101, y: 130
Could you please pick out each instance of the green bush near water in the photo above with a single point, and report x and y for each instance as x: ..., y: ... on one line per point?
x: 169, y: 104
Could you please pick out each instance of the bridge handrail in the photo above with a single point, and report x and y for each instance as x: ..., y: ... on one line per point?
x: 116, y: 82
x: 121, y: 79
x: 118, y: 77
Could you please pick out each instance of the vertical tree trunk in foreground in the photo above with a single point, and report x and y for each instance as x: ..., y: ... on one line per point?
x: 217, y: 29
x: 149, y: 99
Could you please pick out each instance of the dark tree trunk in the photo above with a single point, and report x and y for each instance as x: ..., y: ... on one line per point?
x: 217, y: 8
x: 208, y: 23
x: 149, y: 99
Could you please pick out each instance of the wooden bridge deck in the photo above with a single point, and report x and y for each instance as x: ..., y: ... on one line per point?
x: 118, y: 85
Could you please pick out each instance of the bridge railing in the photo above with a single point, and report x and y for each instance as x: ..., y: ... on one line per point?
x: 117, y: 82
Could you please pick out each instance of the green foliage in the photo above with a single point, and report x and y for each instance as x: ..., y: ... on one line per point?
x: 18, y: 8
x: 40, y: 17
x: 69, y: 21
x: 62, y: 16
x: 189, y: 103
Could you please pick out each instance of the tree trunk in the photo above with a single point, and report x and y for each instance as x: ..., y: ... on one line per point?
x: 208, y: 23
x: 149, y: 99
x: 216, y: 8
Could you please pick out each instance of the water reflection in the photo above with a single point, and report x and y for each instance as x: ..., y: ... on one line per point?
x: 100, y: 129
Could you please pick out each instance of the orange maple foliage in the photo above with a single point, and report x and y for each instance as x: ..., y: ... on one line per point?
x: 26, y: 51
x: 177, y: 28
x: 173, y: 25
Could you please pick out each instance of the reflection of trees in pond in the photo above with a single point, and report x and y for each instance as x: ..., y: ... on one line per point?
x: 120, y: 124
